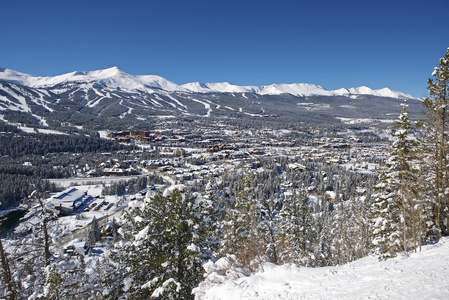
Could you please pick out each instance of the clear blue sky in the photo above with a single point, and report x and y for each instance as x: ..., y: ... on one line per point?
x: 335, y: 44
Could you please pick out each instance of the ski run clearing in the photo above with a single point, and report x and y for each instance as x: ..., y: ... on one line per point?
x: 422, y: 275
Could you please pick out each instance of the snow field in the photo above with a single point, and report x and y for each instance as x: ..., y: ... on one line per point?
x: 422, y: 275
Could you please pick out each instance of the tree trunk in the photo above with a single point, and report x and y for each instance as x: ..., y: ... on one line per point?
x: 6, y: 273
x: 46, y: 235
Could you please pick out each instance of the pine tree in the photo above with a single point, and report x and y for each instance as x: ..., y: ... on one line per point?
x: 94, y: 234
x: 393, y: 217
x: 55, y: 289
x: 69, y: 277
x: 360, y: 227
x: 325, y: 238
x: 438, y: 141
x: 32, y: 245
x: 339, y: 234
x: 114, y: 229
x: 240, y: 227
x: 298, y: 231
x: 166, y: 246
x: 385, y: 219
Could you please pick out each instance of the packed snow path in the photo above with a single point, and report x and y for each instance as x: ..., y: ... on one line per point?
x: 422, y: 275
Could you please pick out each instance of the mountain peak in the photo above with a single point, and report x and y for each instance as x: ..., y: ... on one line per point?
x: 107, y: 73
x: 114, y: 69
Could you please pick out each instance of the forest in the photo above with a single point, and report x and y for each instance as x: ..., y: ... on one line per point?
x: 29, y: 159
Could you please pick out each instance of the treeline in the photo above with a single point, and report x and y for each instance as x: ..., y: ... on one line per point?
x: 16, y: 187
x: 28, y: 159
x: 17, y: 145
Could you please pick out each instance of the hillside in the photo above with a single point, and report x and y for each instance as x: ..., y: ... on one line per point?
x: 417, y: 276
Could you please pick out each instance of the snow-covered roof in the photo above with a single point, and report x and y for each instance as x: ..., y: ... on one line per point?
x: 67, y: 197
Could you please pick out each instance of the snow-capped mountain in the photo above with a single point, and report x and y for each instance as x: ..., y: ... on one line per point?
x: 117, y: 78
x: 112, y: 77
x: 113, y: 98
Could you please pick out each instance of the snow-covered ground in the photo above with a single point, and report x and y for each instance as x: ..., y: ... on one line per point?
x: 422, y: 275
x: 68, y: 182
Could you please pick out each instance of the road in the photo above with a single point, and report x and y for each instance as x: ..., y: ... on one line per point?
x: 96, y: 180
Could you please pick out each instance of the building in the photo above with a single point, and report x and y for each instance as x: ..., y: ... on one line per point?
x: 68, y: 200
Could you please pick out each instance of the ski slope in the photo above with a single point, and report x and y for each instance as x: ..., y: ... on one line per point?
x: 116, y: 78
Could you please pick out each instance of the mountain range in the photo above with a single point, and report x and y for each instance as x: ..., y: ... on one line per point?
x: 116, y: 78
x: 112, y: 98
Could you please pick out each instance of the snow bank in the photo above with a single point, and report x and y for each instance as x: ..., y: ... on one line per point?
x: 417, y: 276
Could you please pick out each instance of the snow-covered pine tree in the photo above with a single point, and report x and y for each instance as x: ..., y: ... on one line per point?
x: 54, y: 286
x: 69, y: 277
x: 437, y: 106
x: 31, y: 247
x: 268, y: 228
x: 394, y: 204
x: 297, y: 231
x: 359, y: 229
x: 324, y: 229
x: 94, y: 233
x: 349, y: 230
x: 240, y: 226
x: 385, y: 218
x: 165, y: 247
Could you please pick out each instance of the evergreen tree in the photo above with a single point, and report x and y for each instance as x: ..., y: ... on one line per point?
x: 94, y: 234
x: 166, y: 246
x: 241, y: 227
x: 393, y: 216
x: 31, y: 248
x: 114, y: 229
x: 55, y: 289
x: 325, y: 237
x: 298, y: 231
x: 437, y: 106
x: 268, y: 228
x: 359, y: 226
x: 68, y: 277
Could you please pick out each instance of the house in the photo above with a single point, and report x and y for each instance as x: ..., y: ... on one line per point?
x: 179, y: 152
x: 77, y: 247
x: 297, y: 167
x: 140, y: 133
x: 219, y: 147
x: 114, y: 171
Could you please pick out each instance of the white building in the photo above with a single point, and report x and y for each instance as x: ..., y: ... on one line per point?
x: 68, y: 200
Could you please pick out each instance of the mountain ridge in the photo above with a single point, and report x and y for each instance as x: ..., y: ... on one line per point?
x: 115, y: 77
x: 114, y: 99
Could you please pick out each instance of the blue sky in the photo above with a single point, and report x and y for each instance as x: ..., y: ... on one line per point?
x: 335, y: 44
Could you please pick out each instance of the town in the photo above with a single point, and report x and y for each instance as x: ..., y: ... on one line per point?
x: 202, y: 156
